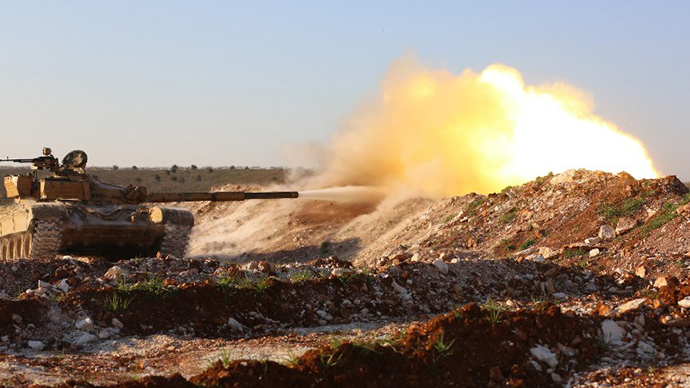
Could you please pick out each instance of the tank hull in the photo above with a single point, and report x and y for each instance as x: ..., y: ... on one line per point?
x: 43, y: 230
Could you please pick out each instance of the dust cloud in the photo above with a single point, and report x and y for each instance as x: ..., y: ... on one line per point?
x: 445, y: 134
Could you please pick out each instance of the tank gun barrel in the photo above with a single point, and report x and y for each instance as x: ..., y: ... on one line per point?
x: 17, y: 160
x: 219, y: 196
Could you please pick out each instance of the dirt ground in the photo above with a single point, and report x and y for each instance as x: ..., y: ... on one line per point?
x: 573, y: 280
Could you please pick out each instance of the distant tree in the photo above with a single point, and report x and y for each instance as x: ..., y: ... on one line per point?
x: 116, y: 167
x: 167, y: 172
x: 232, y: 167
x: 135, y: 168
x: 174, y: 168
x: 210, y: 169
x: 194, y: 167
x: 246, y: 167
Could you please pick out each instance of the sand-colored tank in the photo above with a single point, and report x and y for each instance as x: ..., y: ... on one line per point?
x: 70, y: 212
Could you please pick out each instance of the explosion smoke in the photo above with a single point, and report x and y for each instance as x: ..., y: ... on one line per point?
x: 444, y: 134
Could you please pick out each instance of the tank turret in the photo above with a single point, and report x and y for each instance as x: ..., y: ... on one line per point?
x: 70, y: 212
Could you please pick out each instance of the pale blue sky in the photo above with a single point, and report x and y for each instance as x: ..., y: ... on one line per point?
x: 229, y: 82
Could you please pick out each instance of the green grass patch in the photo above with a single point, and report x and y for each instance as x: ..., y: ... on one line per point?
x: 115, y: 303
x: 612, y: 212
x: 526, y: 244
x: 509, y: 217
x: 474, y: 205
x: 578, y: 252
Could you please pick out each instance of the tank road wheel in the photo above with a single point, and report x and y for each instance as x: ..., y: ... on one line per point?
x: 46, y: 239
x: 26, y: 245
x: 14, y: 250
x: 175, y: 240
x: 5, y: 251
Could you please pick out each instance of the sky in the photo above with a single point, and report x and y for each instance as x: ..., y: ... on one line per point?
x: 220, y: 83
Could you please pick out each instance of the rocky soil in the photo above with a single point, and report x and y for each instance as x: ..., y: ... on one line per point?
x: 573, y: 280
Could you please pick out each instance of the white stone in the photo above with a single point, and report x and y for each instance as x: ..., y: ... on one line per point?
x: 84, y: 339
x: 104, y: 334
x: 544, y: 355
x: 398, y: 288
x: 443, y: 267
x: 564, y: 177
x: 38, y: 345
x: 234, y: 325
x: 592, y: 240
x: 632, y: 305
x: 42, y: 284
x: 63, y: 286
x: 645, y: 348
x: 556, y: 378
x: 84, y: 324
x: 328, y: 317
x: 116, y: 323
x: 415, y: 258
x: 114, y: 273
x: 611, y: 332
x: 685, y: 302
x: 560, y: 295
x: 606, y: 232
x: 594, y: 252
x: 625, y: 224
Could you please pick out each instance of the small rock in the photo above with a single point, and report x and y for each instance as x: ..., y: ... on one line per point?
x: 116, y: 323
x: 544, y: 355
x: 560, y: 295
x: 443, y: 267
x: 84, y: 339
x: 38, y: 345
x: 645, y: 348
x: 114, y: 273
x: 566, y: 350
x: 625, y: 224
x: 42, y: 284
x: 592, y: 240
x: 548, y: 253
x: 611, y: 332
x: 326, y: 316
x: 632, y: 305
x: 594, y: 252
x: 265, y: 267
x: 685, y: 302
x: 399, y: 289
x: 606, y: 232
x: 63, y: 286
x: 556, y: 378
x: 641, y: 271
x: 234, y: 325
x: 415, y: 258
x: 660, y: 282
x: 84, y: 324
x: 104, y: 334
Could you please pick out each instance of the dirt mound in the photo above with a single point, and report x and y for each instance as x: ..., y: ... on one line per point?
x: 570, y: 279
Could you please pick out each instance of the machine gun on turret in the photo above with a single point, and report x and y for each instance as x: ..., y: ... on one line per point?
x: 45, y: 162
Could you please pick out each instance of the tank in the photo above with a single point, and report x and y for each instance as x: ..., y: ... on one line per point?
x: 70, y: 212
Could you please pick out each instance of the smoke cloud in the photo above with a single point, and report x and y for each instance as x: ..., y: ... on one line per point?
x: 446, y: 134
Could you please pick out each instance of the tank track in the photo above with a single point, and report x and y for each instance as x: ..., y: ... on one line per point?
x: 46, y: 239
x: 175, y: 240
x: 42, y: 242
